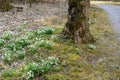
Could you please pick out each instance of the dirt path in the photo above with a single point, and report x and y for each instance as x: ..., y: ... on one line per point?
x: 113, y: 12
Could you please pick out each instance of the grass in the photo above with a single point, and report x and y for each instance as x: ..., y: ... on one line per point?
x: 105, y: 2
x: 39, y: 54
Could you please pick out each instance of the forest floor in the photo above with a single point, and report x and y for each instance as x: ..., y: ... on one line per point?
x: 30, y: 48
x: 39, y: 14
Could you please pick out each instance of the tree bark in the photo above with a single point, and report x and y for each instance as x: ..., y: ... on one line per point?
x: 77, y: 27
x: 5, y: 5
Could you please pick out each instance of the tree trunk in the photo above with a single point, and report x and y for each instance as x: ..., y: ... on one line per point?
x: 5, y: 5
x: 89, y: 3
x: 77, y: 27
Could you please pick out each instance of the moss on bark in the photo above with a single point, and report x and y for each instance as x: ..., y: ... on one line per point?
x: 77, y: 27
x: 5, y: 6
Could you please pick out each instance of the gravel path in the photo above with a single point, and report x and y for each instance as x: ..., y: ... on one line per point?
x: 113, y: 12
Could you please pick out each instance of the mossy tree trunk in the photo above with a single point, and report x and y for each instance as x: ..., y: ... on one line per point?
x: 5, y: 5
x: 77, y: 27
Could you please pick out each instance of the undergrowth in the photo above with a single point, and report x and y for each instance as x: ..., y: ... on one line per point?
x: 39, y: 53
